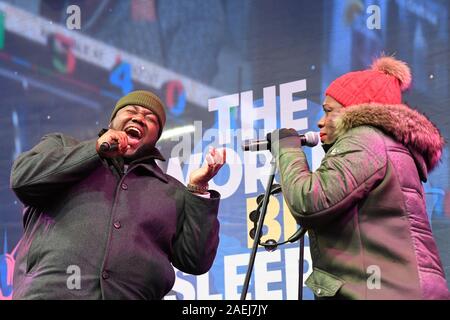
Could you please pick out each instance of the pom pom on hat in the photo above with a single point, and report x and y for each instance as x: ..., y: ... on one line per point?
x: 394, y: 67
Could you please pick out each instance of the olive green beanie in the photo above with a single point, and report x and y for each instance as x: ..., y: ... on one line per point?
x: 145, y: 99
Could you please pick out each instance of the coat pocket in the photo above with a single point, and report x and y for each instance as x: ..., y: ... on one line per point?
x: 323, y: 284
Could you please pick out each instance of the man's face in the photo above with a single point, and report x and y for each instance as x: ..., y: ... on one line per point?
x: 327, y: 123
x: 141, y: 126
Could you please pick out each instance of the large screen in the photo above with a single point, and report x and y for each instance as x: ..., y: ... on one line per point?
x: 227, y: 71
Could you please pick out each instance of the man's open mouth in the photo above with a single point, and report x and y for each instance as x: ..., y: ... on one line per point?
x: 134, y: 134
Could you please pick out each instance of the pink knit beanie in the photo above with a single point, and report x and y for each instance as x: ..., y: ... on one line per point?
x: 383, y: 83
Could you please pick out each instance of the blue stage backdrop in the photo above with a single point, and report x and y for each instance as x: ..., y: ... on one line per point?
x: 227, y: 71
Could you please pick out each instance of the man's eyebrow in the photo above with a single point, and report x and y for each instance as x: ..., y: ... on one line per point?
x: 146, y: 111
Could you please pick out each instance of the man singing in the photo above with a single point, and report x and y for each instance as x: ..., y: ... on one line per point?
x: 101, y: 219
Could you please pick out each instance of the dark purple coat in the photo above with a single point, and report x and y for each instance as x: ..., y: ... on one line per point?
x: 122, y: 230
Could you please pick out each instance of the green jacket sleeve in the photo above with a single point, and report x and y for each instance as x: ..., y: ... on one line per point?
x: 195, y: 247
x: 56, y: 163
x: 349, y: 170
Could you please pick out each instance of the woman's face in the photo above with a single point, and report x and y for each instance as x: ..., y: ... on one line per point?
x: 327, y: 123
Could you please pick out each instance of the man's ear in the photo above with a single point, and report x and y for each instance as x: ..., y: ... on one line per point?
x: 109, y: 126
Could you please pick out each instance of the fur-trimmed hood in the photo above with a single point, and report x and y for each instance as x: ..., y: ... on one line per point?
x: 407, y: 126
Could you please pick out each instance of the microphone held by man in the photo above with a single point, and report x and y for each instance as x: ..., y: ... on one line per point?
x: 106, y: 146
x: 113, y: 143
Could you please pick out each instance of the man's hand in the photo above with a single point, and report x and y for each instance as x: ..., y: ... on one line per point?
x: 113, y: 136
x: 215, y: 159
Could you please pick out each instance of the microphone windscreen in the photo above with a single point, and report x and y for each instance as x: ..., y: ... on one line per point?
x: 312, y: 139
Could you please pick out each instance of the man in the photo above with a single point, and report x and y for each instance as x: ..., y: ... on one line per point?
x: 104, y: 222
x: 364, y: 207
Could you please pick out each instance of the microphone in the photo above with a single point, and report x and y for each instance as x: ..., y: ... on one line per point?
x: 309, y: 139
x: 106, y: 147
